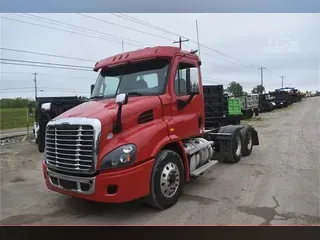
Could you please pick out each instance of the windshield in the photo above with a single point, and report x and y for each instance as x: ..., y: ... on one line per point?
x: 143, y: 78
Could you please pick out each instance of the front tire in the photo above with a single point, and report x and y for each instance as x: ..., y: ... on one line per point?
x: 167, y: 180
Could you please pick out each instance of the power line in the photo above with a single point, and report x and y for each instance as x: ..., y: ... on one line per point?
x: 46, y: 63
x: 9, y: 89
x: 82, y: 34
x: 228, y: 61
x: 86, y: 29
x: 124, y: 16
x: 223, y: 80
x: 167, y: 31
x: 45, y: 54
x: 119, y: 25
x: 271, y: 71
x: 48, y: 74
x: 34, y: 65
x: 180, y: 41
x: 40, y: 90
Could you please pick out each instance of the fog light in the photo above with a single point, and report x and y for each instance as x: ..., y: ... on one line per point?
x: 112, y: 189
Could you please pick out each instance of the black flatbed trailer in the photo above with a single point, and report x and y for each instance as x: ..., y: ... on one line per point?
x: 216, y: 108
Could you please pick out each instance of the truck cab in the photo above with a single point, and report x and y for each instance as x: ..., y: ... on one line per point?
x: 142, y: 134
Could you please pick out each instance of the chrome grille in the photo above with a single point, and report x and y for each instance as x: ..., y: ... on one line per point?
x: 70, y: 147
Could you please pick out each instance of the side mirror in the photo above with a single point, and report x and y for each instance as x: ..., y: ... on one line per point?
x: 91, y: 88
x: 46, y: 107
x: 122, y: 99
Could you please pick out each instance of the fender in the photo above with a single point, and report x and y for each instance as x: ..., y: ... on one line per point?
x: 227, y: 132
x: 231, y: 129
x: 155, y: 132
x: 175, y: 139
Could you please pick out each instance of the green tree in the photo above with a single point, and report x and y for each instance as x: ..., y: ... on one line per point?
x: 258, y: 89
x: 235, y: 89
x: 15, y: 102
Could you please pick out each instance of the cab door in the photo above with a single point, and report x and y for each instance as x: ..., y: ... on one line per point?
x: 187, y: 111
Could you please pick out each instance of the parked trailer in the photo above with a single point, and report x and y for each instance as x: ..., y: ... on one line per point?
x: 148, y: 140
x: 278, y: 101
x: 250, y: 105
x: 58, y: 105
x: 216, y: 107
x: 294, y: 94
x: 266, y: 103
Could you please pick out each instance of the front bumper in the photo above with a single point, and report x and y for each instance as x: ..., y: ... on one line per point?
x: 112, y: 187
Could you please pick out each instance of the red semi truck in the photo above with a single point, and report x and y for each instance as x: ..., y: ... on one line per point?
x: 142, y: 134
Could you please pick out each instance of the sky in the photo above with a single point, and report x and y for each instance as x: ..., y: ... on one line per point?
x: 232, y: 48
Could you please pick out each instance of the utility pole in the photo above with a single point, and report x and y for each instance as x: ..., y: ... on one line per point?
x: 198, y: 37
x: 282, y: 81
x: 35, y: 85
x: 261, y: 69
x: 180, y: 42
x: 122, y: 44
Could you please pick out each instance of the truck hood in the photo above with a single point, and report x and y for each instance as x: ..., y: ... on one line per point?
x: 106, y: 110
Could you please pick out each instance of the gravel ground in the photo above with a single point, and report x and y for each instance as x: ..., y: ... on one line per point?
x: 278, y: 184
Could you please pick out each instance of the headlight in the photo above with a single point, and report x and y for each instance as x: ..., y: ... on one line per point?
x: 122, y: 156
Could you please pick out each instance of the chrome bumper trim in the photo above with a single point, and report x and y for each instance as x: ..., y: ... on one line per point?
x: 79, y: 181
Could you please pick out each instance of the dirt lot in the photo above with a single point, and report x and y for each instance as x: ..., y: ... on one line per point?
x: 278, y: 184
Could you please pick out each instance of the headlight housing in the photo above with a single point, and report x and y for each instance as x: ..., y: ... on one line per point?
x: 122, y: 156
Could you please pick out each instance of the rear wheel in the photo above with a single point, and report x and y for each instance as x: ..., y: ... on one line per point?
x: 230, y: 150
x: 246, y: 134
x: 167, y: 180
x: 248, y: 114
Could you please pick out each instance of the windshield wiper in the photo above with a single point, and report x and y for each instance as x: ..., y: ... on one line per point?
x: 97, y: 97
x: 134, y: 94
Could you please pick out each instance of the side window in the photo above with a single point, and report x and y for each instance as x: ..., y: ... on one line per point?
x: 187, y: 73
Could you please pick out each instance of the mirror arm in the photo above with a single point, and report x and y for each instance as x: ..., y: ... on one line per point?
x: 182, y: 104
x: 121, y: 99
x: 118, y: 125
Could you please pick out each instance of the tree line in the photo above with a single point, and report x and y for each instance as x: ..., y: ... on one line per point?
x: 16, y: 102
x: 237, y: 90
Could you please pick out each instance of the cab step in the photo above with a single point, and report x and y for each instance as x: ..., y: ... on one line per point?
x: 203, y: 168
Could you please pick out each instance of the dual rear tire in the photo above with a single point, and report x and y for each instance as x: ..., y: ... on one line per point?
x: 168, y: 174
x: 239, y: 146
x: 246, y: 134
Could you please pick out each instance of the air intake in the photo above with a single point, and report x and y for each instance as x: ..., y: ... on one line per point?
x: 146, y: 116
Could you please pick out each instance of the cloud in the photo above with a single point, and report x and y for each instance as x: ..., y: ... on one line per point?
x: 287, y: 44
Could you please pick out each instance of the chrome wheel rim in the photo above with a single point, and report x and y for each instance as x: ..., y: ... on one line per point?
x: 170, y: 180
x: 238, y: 140
x: 249, y: 140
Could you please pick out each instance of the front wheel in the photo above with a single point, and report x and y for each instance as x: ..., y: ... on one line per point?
x: 167, y: 180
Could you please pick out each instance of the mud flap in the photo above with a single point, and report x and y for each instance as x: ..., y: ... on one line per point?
x: 255, y: 138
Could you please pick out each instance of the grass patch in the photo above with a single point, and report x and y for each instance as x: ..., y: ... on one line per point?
x: 14, y: 118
